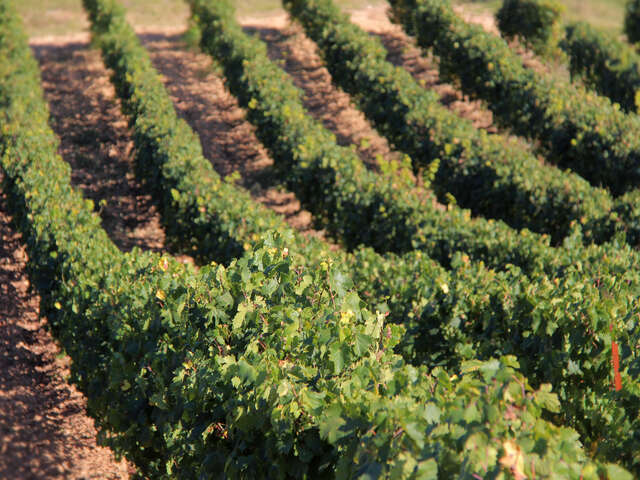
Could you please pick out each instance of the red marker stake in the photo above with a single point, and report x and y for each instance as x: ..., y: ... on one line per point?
x: 616, y: 367
x: 617, y: 379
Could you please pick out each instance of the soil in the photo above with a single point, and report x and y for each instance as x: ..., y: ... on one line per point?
x: 404, y: 53
x: 529, y: 59
x: 44, y: 430
x: 96, y: 142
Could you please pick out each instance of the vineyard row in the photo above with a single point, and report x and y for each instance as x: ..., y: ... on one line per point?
x: 287, y: 357
x: 250, y: 369
x: 580, y: 130
x: 489, y: 174
x: 486, y: 289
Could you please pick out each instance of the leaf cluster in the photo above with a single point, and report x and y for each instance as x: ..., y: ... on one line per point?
x: 632, y: 20
x: 262, y: 368
x: 486, y: 173
x: 578, y: 129
x: 252, y: 370
x: 414, y: 298
x: 535, y: 22
x: 604, y: 63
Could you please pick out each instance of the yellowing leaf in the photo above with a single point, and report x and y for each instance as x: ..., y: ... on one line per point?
x: 163, y: 264
x: 346, y: 317
x: 513, y: 459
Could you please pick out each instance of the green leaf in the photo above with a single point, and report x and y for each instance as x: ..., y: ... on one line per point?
x: 352, y: 302
x: 573, y: 368
x: 471, y: 413
x: 226, y: 300
x: 246, y: 371
x: 331, y: 425
x: 312, y: 400
x: 363, y: 342
x: 337, y: 357
x: 431, y: 413
x: 270, y: 287
x: 427, y: 470
x: 415, y: 433
x: 617, y: 473
x: 304, y: 283
x: 239, y: 317
x: 283, y: 389
x: 546, y: 399
x: 339, y: 282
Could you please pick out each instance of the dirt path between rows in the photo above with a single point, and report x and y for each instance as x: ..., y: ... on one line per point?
x: 96, y: 142
x: 297, y: 55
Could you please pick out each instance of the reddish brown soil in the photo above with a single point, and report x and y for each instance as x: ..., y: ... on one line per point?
x: 530, y: 60
x: 403, y: 52
x: 298, y: 56
x: 96, y: 142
